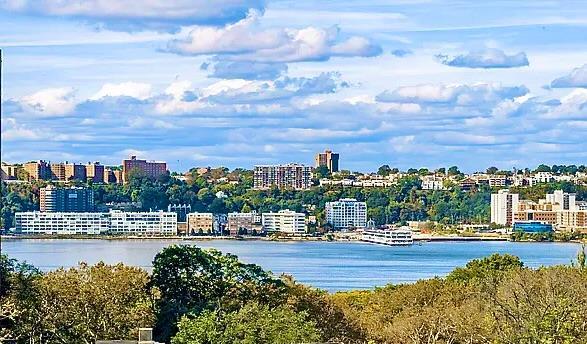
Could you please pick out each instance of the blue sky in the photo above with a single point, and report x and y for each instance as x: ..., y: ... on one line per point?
x: 240, y: 82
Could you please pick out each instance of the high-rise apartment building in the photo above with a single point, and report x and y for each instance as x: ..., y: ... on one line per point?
x: 68, y: 171
x: 503, y: 205
x: 8, y: 172
x: 112, y: 176
x: 565, y: 201
x: 293, y: 176
x: 327, y: 159
x: 95, y: 172
x: 284, y: 221
x: 37, y: 170
x: 346, y: 213
x: 152, y: 169
x: 74, y: 199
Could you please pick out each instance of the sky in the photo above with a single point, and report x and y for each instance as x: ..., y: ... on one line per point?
x: 234, y: 83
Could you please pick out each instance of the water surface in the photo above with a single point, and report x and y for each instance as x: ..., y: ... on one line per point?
x: 329, y: 265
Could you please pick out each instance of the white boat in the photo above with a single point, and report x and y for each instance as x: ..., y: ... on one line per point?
x: 391, y: 237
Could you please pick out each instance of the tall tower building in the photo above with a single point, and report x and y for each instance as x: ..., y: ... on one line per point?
x: 503, y: 206
x: 71, y: 200
x: 327, y: 159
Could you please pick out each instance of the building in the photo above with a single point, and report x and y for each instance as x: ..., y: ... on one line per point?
x: 152, y: 169
x: 346, y: 213
x: 432, y: 183
x: 65, y: 223
x: 532, y: 227
x: 572, y: 220
x: 75, y: 172
x: 284, y: 221
x: 112, y: 176
x: 503, y: 205
x: 328, y: 159
x: 95, y: 172
x: 37, y: 170
x: 293, y: 176
x: 182, y: 211
x: 467, y: 184
x: 143, y: 223
x: 244, y: 223
x: 8, y: 172
x: 565, y: 201
x: 58, y: 171
x: 200, y: 223
x: 67, y: 200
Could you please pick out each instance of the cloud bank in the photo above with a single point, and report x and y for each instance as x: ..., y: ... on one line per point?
x: 131, y: 15
x: 488, y: 58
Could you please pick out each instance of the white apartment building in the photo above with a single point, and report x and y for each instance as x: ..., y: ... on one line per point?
x: 35, y: 222
x: 346, y: 213
x: 432, y: 183
x: 293, y: 176
x: 503, y: 205
x: 543, y: 177
x: 565, y: 201
x: 285, y: 221
x: 143, y: 223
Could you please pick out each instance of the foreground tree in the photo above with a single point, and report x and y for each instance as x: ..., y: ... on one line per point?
x: 253, y: 323
x: 79, y: 305
x: 188, y: 279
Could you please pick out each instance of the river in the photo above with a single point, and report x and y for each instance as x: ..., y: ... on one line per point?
x: 333, y: 266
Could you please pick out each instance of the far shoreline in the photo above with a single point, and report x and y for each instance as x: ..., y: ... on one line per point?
x: 417, y: 240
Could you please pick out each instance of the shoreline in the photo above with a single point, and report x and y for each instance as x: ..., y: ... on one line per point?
x: 417, y: 239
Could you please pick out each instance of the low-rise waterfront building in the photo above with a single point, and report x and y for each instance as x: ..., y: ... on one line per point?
x: 200, y: 223
x: 143, y: 223
x: 63, y: 223
x: 244, y: 223
x: 284, y: 221
x: 532, y: 227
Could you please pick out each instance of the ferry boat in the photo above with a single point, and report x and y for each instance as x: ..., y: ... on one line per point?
x: 391, y: 237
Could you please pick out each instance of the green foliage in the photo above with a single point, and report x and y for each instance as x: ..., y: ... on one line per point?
x: 190, y: 280
x: 479, y: 269
x: 78, y: 305
x: 251, y: 324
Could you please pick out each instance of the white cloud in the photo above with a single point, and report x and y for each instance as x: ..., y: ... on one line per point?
x: 50, y: 101
x: 461, y: 95
x: 577, y: 78
x: 244, y: 41
x: 143, y: 14
x: 136, y: 90
x: 486, y: 58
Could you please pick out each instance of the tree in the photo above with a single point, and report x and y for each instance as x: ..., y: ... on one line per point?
x: 542, y: 168
x: 254, y: 323
x: 322, y: 171
x: 384, y: 170
x: 80, y: 305
x: 492, y: 170
x: 453, y: 171
x: 479, y: 269
x: 191, y: 280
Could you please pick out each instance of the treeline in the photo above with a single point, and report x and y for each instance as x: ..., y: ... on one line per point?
x: 196, y: 296
x: 398, y: 203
